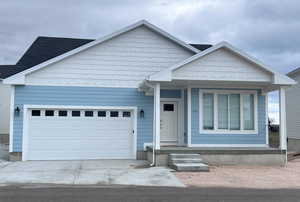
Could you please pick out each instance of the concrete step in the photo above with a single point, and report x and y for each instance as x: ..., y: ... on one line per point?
x: 185, y: 160
x: 293, y: 155
x: 195, y: 167
x: 177, y: 156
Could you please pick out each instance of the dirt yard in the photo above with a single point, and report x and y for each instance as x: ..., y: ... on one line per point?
x: 260, y: 177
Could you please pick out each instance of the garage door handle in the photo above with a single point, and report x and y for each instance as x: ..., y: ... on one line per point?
x: 132, y: 131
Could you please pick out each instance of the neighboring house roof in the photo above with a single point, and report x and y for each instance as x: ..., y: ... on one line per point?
x: 8, y: 70
x: 201, y: 47
x: 166, y: 75
x: 46, y: 48
x: 295, y: 71
x: 41, y: 50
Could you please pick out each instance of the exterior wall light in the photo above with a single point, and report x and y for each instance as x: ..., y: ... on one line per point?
x: 17, y: 111
x: 142, y: 113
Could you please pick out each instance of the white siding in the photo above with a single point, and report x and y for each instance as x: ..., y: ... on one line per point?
x: 123, y: 61
x: 221, y: 64
x: 4, y: 108
x: 293, y: 109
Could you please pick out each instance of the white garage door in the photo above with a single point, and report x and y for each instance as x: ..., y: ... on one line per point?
x: 66, y: 134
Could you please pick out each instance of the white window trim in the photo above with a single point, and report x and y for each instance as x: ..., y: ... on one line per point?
x: 219, y: 131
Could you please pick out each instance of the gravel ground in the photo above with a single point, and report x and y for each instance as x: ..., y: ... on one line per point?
x: 260, y: 177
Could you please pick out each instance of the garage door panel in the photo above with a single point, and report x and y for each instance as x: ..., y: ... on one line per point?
x: 59, y: 138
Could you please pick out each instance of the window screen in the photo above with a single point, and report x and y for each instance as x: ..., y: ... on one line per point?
x: 208, y: 111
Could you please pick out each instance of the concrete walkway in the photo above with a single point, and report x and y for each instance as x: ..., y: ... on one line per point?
x: 89, y: 172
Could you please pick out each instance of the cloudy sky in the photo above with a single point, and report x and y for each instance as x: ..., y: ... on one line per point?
x: 268, y: 30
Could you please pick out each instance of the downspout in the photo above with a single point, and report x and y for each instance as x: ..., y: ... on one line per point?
x: 154, y: 115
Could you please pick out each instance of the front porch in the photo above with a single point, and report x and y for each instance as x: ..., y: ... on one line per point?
x: 222, y: 155
x: 225, y: 115
x: 190, y: 111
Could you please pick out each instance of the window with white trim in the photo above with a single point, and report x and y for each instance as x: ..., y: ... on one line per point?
x: 228, y: 111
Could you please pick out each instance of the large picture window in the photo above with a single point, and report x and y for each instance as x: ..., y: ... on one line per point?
x: 228, y: 111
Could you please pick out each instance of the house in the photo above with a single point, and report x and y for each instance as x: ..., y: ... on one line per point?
x: 141, y: 93
x: 293, y: 112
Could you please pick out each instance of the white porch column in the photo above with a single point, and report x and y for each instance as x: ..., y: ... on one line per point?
x: 189, y: 116
x: 282, y: 119
x: 157, y: 115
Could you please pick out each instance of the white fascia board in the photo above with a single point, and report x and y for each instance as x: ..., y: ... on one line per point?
x: 164, y: 75
x: 278, y: 77
x: 283, y: 80
x: 16, y: 80
x: 11, y: 79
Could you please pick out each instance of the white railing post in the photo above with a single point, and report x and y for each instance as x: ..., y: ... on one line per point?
x: 157, y: 115
x: 189, y: 116
x: 282, y: 119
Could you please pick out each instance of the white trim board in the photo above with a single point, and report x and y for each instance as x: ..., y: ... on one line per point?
x: 19, y: 78
x: 26, y: 119
x: 267, y: 118
x: 11, y: 118
x: 229, y: 145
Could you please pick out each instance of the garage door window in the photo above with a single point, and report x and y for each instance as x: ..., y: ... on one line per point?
x: 126, y: 114
x: 114, y: 114
x: 101, y: 113
x: 49, y: 113
x: 36, y: 113
x: 76, y: 113
x: 62, y: 113
x: 89, y: 113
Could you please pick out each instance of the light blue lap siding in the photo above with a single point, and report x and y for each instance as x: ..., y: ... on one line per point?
x: 84, y: 96
x: 164, y: 93
x: 198, y: 138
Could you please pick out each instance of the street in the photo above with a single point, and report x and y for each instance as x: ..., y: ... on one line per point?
x: 36, y: 193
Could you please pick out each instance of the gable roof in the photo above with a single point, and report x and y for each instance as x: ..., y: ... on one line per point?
x: 165, y: 75
x: 41, y: 50
x: 20, y: 76
x: 45, y: 48
x: 295, y: 71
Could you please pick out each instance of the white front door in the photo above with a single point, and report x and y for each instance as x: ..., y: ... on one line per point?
x: 169, y: 122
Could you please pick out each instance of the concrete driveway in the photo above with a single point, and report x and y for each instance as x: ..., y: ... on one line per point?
x: 89, y: 172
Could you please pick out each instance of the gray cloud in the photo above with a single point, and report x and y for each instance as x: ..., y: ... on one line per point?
x: 265, y: 29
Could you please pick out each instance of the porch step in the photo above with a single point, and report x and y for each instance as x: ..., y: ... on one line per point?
x: 187, y: 162
x: 293, y: 155
x: 200, y: 167
x: 178, y: 156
